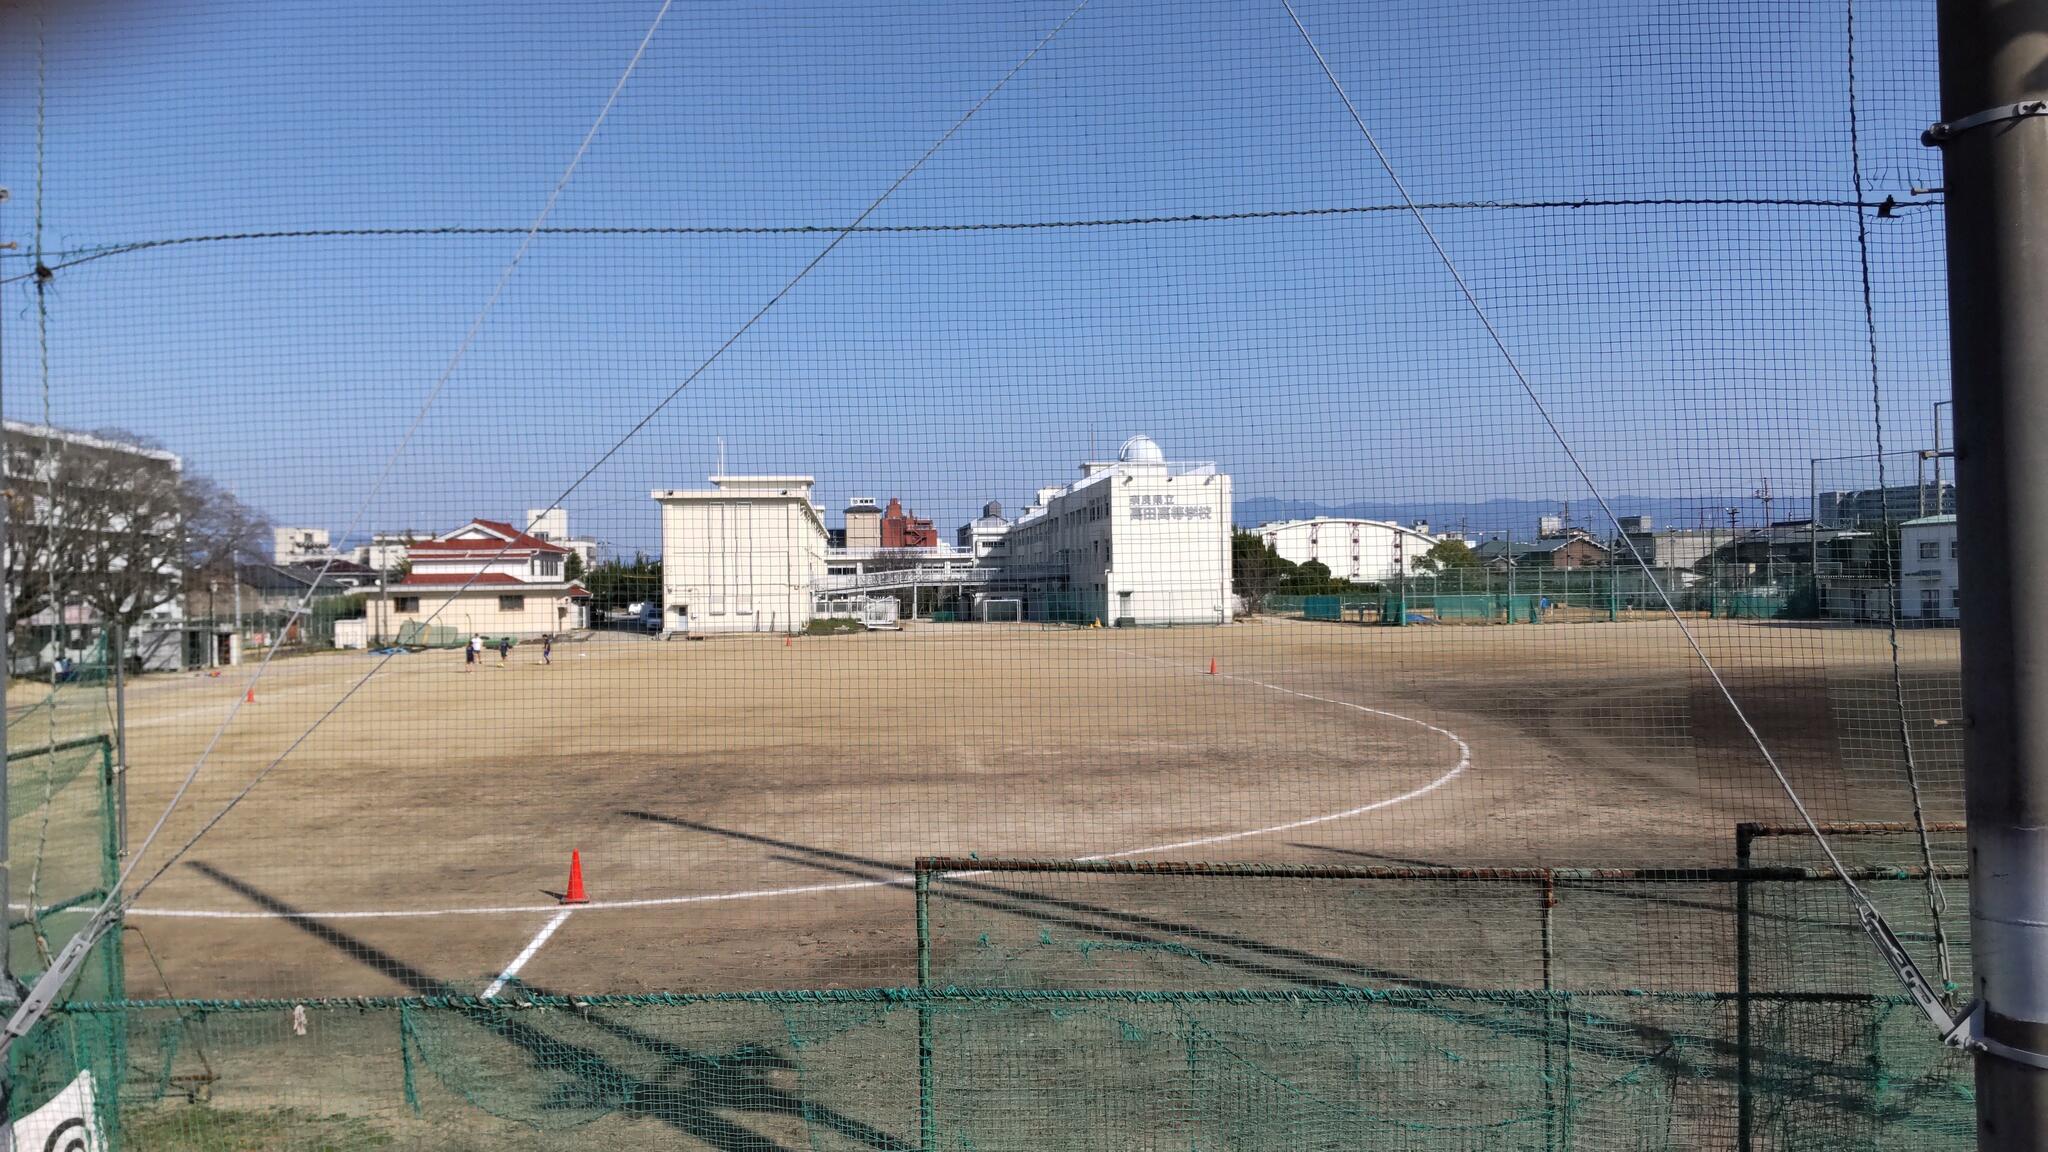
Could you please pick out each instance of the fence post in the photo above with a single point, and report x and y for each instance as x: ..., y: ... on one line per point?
x: 1551, y: 1122
x: 927, y: 1123
x: 1745, y: 1107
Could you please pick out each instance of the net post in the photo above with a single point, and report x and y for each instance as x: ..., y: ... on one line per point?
x: 1745, y: 1104
x: 927, y: 1124
x: 6, y: 880
x: 1550, y: 1120
x: 1993, y: 176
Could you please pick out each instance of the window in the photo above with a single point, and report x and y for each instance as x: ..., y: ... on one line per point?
x: 405, y: 603
x: 548, y: 566
x: 1953, y: 550
x: 1930, y: 549
x: 1930, y: 601
x: 511, y: 603
x: 1955, y: 599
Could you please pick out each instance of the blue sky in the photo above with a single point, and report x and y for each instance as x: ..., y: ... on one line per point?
x: 1684, y: 348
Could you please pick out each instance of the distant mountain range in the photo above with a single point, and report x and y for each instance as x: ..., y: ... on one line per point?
x: 1501, y: 515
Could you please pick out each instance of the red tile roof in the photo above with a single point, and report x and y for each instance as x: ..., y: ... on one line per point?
x: 515, y: 542
x: 519, y: 539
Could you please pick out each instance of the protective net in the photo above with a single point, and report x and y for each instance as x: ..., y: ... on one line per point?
x: 526, y: 522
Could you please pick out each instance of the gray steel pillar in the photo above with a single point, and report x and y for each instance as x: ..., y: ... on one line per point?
x: 6, y: 880
x: 1994, y: 54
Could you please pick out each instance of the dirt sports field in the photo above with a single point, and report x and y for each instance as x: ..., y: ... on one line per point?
x: 747, y: 809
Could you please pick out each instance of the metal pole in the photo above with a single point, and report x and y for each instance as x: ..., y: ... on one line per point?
x: 1938, y: 406
x: 7, y: 984
x: 6, y: 891
x: 1549, y: 902
x: 121, y: 742
x: 927, y: 1120
x: 1745, y: 1104
x: 1993, y: 55
x: 1813, y: 530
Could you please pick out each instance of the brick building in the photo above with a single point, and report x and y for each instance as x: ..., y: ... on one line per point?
x: 902, y: 530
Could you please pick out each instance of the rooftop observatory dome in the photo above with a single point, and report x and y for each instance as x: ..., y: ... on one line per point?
x: 1141, y: 450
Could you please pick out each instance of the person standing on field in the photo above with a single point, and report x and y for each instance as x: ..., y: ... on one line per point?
x: 504, y: 649
x: 547, y: 648
x: 471, y: 651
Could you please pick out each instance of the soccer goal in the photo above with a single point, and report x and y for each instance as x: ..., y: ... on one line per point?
x: 1002, y: 611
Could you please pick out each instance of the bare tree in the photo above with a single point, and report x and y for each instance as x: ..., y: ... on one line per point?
x: 95, y: 521
x: 221, y: 532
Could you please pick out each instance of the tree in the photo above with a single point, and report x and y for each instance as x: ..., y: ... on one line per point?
x: 613, y: 584
x: 221, y: 532
x: 573, y: 569
x: 1256, y: 570
x: 105, y: 522
x: 1444, y: 556
x: 121, y: 531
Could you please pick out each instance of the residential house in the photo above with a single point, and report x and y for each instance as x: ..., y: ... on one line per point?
x: 1571, y: 551
x: 484, y: 578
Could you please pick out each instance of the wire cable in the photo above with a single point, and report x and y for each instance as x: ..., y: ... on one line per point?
x: 1937, y: 897
x: 73, y: 257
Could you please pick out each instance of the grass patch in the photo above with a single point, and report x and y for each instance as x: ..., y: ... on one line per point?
x: 833, y: 626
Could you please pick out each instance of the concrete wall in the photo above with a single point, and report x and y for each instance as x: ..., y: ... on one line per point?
x: 864, y: 528
x: 1169, y: 556
x: 1925, y: 578
x: 1135, y: 543
x: 740, y: 561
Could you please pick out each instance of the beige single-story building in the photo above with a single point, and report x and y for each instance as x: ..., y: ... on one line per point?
x: 485, y: 578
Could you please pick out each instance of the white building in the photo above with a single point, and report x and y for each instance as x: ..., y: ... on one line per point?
x: 1367, y: 551
x: 387, y: 550
x: 863, y: 523
x: 485, y: 578
x: 981, y: 536
x: 38, y: 457
x: 744, y: 556
x: 1928, y: 589
x: 552, y: 525
x: 298, y: 545
x: 1134, y: 541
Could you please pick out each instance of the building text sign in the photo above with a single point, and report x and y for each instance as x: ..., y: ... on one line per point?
x: 1162, y: 507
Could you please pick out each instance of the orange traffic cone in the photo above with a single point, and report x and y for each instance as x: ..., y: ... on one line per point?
x: 785, y: 641
x: 1212, y: 665
x: 250, y: 698
x: 575, y: 894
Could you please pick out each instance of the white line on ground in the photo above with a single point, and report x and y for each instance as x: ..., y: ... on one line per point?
x: 532, y: 946
x: 1458, y: 769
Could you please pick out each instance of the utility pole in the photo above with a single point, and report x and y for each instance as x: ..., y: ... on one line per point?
x: 1813, y: 534
x: 1994, y: 142
x: 1938, y: 453
x: 1763, y: 495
